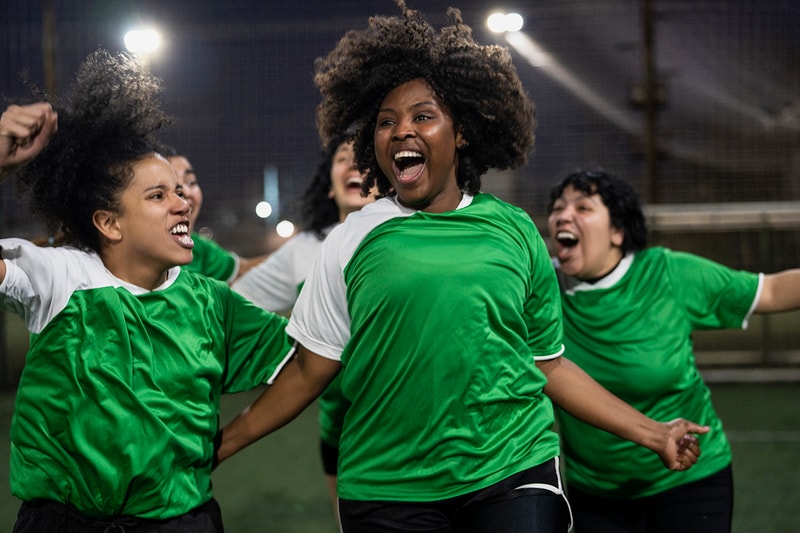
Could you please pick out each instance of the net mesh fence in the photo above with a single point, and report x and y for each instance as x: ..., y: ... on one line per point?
x: 238, y: 79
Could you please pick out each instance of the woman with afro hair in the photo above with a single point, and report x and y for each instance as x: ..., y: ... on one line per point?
x: 118, y: 403
x: 438, y: 303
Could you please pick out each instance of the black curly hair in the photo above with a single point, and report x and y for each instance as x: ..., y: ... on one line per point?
x: 319, y: 210
x: 618, y: 196
x: 478, y: 84
x: 106, y: 124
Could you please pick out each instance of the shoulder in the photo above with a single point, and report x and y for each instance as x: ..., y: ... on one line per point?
x: 29, y: 255
x: 492, y: 206
x: 360, y: 223
x: 658, y: 255
x: 343, y: 240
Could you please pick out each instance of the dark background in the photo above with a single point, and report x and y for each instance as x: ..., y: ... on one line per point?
x: 238, y: 79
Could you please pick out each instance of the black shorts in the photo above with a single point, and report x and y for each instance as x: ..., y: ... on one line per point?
x: 702, y: 506
x: 37, y: 516
x: 530, y: 501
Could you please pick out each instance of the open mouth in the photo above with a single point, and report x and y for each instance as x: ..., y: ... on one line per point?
x: 566, y: 239
x: 181, y: 233
x: 354, y: 183
x: 408, y: 165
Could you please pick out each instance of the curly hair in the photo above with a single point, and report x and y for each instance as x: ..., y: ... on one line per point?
x: 319, y: 210
x: 106, y: 123
x: 478, y: 84
x: 618, y: 196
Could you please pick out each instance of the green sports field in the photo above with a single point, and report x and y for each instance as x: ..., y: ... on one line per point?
x: 276, y: 485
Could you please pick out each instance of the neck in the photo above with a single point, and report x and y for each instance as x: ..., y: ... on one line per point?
x: 135, y: 273
x: 441, y: 204
x: 608, y: 271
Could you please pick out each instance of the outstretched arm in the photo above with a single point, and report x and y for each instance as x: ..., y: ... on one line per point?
x: 581, y: 396
x: 24, y: 132
x: 299, y: 383
x: 780, y: 292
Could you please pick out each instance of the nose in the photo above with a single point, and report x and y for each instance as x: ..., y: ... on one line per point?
x: 564, y: 213
x: 181, y: 205
x: 403, y: 130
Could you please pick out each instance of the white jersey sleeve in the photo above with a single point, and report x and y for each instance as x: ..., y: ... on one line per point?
x: 39, y: 280
x: 320, y: 320
x: 274, y: 283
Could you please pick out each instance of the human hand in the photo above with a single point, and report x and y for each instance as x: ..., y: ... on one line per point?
x: 681, y: 448
x: 24, y: 132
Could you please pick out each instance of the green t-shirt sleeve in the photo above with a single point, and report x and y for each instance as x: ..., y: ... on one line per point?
x: 713, y: 295
x: 256, y: 343
x: 543, y: 305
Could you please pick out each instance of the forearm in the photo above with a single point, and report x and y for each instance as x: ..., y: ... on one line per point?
x: 576, y: 392
x: 780, y: 292
x: 581, y: 396
x: 299, y: 383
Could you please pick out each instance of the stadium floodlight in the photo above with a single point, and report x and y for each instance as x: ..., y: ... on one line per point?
x: 504, y: 22
x: 142, y: 41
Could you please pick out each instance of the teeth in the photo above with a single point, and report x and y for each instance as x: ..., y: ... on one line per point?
x: 406, y: 153
x: 566, y: 235
x: 180, y: 228
x: 354, y: 181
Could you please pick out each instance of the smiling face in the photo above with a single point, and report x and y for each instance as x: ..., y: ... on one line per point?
x: 585, y: 242
x: 346, y: 181
x: 191, y: 188
x: 415, y: 147
x: 149, y: 232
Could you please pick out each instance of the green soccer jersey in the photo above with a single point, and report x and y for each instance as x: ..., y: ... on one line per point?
x: 212, y: 260
x: 437, y: 320
x: 631, y: 331
x: 117, y: 406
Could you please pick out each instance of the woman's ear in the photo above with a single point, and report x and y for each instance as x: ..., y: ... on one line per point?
x: 106, y: 223
x: 461, y: 142
x: 617, y: 236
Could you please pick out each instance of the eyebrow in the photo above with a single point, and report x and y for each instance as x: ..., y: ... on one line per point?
x: 157, y: 186
x: 417, y: 104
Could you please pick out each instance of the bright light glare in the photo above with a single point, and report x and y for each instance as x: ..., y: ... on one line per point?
x: 284, y: 229
x: 504, y: 22
x: 144, y: 41
x: 263, y: 209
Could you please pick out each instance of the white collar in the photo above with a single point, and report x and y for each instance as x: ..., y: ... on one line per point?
x: 466, y: 200
x: 606, y: 282
x: 172, y: 275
